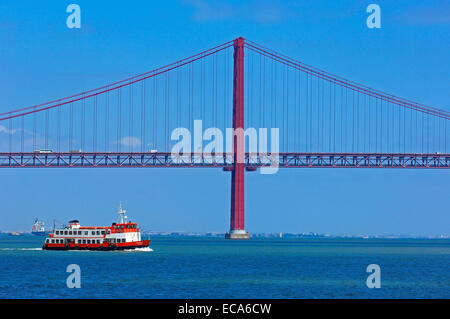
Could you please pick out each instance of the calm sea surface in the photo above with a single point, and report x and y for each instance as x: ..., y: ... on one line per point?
x: 187, y: 267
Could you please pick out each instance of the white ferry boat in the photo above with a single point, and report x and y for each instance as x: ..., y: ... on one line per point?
x: 38, y: 228
x: 118, y: 236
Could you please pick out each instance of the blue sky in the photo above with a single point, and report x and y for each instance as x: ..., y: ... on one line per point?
x: 41, y: 59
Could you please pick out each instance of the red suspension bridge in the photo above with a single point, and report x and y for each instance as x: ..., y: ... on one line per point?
x: 324, y: 120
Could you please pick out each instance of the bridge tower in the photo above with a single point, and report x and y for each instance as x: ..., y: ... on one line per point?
x: 237, y: 230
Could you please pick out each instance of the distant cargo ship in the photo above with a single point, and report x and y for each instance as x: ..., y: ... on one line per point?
x: 118, y: 236
x: 38, y: 228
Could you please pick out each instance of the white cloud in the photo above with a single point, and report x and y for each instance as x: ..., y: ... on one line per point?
x: 3, y: 129
x: 129, y: 141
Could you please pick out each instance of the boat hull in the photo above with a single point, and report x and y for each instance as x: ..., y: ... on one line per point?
x: 99, y: 247
x: 40, y: 233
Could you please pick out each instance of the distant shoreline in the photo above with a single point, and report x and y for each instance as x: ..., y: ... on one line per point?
x: 264, y: 235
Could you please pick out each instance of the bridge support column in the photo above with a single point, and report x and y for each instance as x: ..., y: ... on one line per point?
x: 237, y: 230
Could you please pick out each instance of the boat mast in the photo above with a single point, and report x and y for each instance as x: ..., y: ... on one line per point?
x: 122, y: 213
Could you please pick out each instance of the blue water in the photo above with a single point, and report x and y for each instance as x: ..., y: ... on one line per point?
x: 188, y: 267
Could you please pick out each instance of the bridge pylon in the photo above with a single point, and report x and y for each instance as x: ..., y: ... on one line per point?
x: 237, y: 229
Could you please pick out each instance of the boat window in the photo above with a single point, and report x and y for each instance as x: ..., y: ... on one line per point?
x: 86, y: 233
x: 79, y: 232
x: 65, y: 232
x: 57, y: 232
x: 88, y: 241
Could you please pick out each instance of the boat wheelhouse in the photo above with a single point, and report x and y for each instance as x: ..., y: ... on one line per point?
x: 118, y: 236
